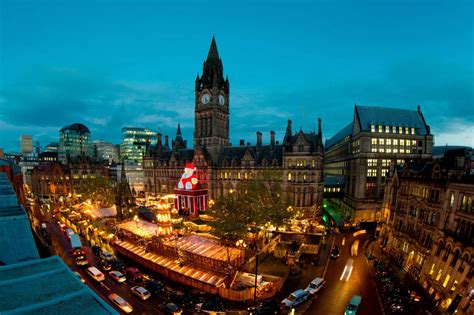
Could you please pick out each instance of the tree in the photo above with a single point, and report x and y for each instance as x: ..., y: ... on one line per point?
x: 255, y: 202
x: 99, y: 190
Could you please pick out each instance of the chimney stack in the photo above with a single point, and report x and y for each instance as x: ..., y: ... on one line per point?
x: 419, y: 108
x: 242, y: 143
x: 158, y: 141
x: 259, y: 138
x: 272, y: 138
x: 166, y: 141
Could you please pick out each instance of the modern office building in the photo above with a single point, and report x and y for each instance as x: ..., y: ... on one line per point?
x: 26, y: 144
x: 105, y: 151
x: 74, y: 142
x: 429, y: 230
x: 52, y: 147
x: 361, y: 154
x: 221, y: 166
x: 134, y: 143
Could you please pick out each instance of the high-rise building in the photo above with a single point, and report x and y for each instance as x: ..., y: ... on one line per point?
x: 361, y: 154
x: 297, y: 161
x: 26, y: 144
x: 134, y: 143
x: 105, y: 151
x: 74, y: 142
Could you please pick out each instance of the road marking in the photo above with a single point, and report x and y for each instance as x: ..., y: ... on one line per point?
x: 106, y: 287
x: 327, y: 261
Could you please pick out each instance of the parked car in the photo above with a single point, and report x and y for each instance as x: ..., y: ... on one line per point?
x: 171, y: 308
x: 265, y: 307
x: 335, y: 252
x: 295, y: 298
x: 353, y: 306
x: 155, y: 287
x: 214, y: 306
x: 119, y: 265
x: 141, y: 292
x: 107, y: 256
x: 133, y: 274
x: 117, y: 276
x: 315, y: 285
x: 121, y: 303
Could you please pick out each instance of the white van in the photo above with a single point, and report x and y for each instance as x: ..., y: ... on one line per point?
x: 96, y: 274
x: 315, y: 285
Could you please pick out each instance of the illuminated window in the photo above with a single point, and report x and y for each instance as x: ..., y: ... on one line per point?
x: 400, y: 130
x: 389, y: 150
x: 446, y: 280
x: 455, y: 284
x: 246, y: 175
x: 438, y: 276
x: 412, y: 131
x: 374, y: 140
x: 313, y: 163
x: 395, y: 150
x: 374, y: 149
x: 238, y: 175
x: 225, y: 175
x: 380, y: 128
x: 387, y: 129
x: 372, y: 172
x: 432, y: 269
x: 395, y: 141
x: 381, y: 150
x: 381, y: 141
x: 304, y: 177
x: 389, y: 141
x: 372, y: 128
x: 371, y: 162
x: 402, y: 150
x: 289, y: 176
x: 407, y: 131
x: 402, y: 142
x: 394, y: 129
x: 451, y: 200
x: 413, y: 142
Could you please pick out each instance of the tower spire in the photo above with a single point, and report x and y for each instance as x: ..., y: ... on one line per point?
x: 213, y: 53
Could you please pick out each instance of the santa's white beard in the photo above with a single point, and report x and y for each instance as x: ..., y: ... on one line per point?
x: 186, y: 175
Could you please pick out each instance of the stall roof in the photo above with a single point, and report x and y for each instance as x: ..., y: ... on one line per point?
x: 142, y: 228
x: 205, y: 276
x: 205, y: 246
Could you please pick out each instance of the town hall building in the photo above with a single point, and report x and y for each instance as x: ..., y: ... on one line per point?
x: 220, y: 167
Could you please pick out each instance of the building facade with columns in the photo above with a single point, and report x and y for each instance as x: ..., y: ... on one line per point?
x: 429, y: 231
x: 221, y: 166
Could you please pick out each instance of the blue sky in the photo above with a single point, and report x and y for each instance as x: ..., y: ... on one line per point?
x: 110, y: 64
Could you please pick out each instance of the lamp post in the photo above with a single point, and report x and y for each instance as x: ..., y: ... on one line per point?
x: 135, y: 218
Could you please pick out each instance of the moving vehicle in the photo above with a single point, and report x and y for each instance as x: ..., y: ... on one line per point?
x: 353, y: 306
x: 315, y: 285
x: 335, y: 252
x: 141, y: 292
x: 117, y: 276
x: 295, y: 298
x: 133, y: 274
x: 96, y: 250
x: 96, y: 274
x: 104, y: 264
x: 121, y: 303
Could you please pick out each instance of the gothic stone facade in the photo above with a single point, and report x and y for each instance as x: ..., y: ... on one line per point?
x: 220, y: 166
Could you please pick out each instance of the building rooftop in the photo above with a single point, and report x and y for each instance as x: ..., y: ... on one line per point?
x: 47, y: 286
x: 76, y: 127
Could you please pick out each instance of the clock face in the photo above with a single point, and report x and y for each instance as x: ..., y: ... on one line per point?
x: 205, y: 98
x: 221, y: 99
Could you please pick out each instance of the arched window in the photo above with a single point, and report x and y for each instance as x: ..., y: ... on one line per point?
x: 289, y: 177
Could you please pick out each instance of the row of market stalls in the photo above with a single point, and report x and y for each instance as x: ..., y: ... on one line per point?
x: 197, y: 260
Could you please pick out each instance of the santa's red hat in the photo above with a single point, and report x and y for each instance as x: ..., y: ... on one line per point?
x: 189, y: 166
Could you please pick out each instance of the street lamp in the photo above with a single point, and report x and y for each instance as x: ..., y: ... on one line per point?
x: 136, y: 219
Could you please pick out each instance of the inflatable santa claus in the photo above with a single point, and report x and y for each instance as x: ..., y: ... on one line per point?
x: 188, y: 180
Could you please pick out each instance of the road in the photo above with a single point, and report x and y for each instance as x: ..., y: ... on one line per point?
x: 108, y: 286
x: 334, y: 297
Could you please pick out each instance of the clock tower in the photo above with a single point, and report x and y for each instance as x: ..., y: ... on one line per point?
x: 211, y: 113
